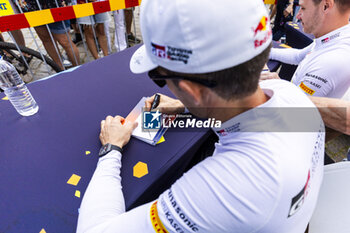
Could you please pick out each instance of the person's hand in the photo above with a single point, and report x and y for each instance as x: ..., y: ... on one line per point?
x: 268, y: 75
x: 116, y: 131
x: 288, y: 10
x: 166, y: 105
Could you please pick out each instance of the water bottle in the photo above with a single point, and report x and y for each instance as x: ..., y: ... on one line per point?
x: 16, y: 90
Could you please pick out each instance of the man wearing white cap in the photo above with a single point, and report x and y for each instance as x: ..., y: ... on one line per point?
x: 323, y: 66
x: 266, y: 181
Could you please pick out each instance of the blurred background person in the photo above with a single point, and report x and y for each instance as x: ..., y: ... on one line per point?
x: 17, y: 34
x: 58, y: 30
x: 128, y: 13
x: 97, y: 21
x: 120, y: 42
x: 284, y: 13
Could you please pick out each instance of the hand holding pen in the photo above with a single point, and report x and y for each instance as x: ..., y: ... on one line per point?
x: 155, y: 102
x: 164, y: 104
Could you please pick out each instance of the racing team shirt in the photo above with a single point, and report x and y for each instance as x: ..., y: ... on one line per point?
x: 263, y: 182
x: 324, y: 66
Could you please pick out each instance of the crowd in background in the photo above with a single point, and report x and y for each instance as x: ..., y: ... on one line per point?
x: 95, y: 30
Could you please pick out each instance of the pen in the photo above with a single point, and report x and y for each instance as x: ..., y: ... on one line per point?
x: 155, y: 101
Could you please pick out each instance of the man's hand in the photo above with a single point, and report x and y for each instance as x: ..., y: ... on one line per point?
x: 288, y: 10
x: 116, y: 131
x: 166, y: 105
x: 268, y: 75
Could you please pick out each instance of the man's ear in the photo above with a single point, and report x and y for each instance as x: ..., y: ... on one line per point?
x: 327, y: 5
x: 194, y: 90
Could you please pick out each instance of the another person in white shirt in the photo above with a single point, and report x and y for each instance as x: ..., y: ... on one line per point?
x: 323, y: 66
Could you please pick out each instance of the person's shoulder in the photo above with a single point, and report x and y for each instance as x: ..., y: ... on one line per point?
x: 287, y: 94
x: 275, y: 83
x: 335, y: 55
x: 332, y: 64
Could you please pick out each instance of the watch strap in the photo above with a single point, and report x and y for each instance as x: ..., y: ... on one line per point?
x: 117, y: 148
x: 108, y: 148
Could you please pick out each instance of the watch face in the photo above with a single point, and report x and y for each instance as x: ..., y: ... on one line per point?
x: 105, y: 149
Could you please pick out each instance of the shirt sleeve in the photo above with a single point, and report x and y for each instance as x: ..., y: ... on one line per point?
x: 290, y: 55
x: 324, y: 76
x: 103, y: 198
x: 103, y: 206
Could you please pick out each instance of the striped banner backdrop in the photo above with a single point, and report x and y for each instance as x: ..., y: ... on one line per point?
x: 42, y: 17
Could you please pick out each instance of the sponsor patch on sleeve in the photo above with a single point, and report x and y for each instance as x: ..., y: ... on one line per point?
x: 306, y: 89
x: 176, y: 217
x: 156, y: 223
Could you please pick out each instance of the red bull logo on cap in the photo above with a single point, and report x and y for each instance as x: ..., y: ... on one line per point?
x: 262, y: 26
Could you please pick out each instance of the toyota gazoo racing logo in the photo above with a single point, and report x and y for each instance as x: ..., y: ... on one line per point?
x: 262, y: 32
x: 325, y: 40
x: 171, y: 53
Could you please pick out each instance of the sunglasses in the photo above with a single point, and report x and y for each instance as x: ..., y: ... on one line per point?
x: 159, y: 79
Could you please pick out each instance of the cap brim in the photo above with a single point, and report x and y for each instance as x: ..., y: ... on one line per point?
x: 140, y: 62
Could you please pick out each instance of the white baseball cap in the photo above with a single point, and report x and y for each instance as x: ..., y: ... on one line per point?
x: 200, y: 36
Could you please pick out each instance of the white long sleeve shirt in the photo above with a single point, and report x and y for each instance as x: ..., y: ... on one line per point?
x: 262, y: 182
x: 323, y: 66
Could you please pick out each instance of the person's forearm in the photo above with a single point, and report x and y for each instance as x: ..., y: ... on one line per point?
x: 289, y: 8
x: 103, y: 198
x: 273, y: 11
x: 335, y: 113
x: 290, y: 55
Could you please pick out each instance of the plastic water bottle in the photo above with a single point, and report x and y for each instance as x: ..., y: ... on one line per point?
x: 16, y: 90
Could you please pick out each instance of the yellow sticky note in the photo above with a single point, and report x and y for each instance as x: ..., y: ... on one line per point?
x: 5, y: 98
x: 42, y: 231
x: 5, y: 8
x: 82, y: 10
x: 285, y: 46
x: 77, y: 193
x: 38, y: 18
x: 162, y: 139
x: 116, y: 5
x: 87, y: 152
x: 74, y: 180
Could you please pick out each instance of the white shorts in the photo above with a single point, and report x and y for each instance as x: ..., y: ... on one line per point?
x: 91, y: 20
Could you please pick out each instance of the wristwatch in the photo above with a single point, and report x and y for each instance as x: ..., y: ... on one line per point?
x: 107, y: 148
